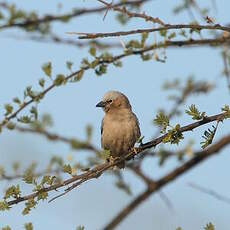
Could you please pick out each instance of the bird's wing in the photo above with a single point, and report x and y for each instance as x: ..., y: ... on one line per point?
x: 102, y: 124
x: 138, y: 131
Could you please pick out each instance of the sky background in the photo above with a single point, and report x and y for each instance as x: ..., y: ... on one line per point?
x: 73, y: 107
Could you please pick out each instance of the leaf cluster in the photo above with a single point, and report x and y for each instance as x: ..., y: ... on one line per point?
x: 195, y: 113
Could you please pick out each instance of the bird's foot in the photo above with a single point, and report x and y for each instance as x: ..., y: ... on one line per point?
x: 112, y: 160
x: 135, y: 150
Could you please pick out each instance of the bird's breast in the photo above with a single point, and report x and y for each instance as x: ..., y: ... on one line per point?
x: 118, y: 136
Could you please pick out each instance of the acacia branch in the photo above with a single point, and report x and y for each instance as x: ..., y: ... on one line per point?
x: 52, y: 38
x: 4, y: 176
x: 75, y: 13
x: 200, y: 156
x: 98, y: 170
x: 210, y: 192
x: 83, y: 145
x: 141, y: 31
x: 190, y: 42
x: 130, y: 14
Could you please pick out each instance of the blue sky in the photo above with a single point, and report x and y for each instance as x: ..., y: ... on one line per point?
x: 73, y: 106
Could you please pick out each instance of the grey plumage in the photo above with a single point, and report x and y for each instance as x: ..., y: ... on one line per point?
x: 120, y: 127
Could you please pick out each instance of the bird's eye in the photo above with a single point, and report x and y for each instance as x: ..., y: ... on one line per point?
x: 109, y: 101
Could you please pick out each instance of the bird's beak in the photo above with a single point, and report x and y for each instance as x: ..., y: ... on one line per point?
x: 101, y: 104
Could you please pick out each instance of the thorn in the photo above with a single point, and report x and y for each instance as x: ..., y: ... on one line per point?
x: 107, y: 10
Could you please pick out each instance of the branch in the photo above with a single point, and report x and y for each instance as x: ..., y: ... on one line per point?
x: 222, y: 40
x: 200, y: 156
x: 83, y: 145
x: 123, y: 10
x: 76, y: 13
x: 4, y: 176
x: 98, y: 170
x: 141, y: 31
x: 210, y: 192
x: 52, y: 38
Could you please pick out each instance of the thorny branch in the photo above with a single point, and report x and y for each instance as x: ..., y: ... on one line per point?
x: 55, y: 39
x: 83, y: 145
x: 76, y: 13
x: 190, y: 42
x: 200, y: 156
x: 124, y: 11
x: 141, y: 31
x: 210, y: 192
x: 98, y: 170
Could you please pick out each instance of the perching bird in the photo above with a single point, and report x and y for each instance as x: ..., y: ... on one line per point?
x: 120, y: 127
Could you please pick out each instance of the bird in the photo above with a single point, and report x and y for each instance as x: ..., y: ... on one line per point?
x: 120, y: 126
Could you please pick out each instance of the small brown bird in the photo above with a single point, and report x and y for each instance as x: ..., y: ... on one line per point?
x: 120, y: 127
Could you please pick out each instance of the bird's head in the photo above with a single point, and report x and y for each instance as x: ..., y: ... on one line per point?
x: 114, y: 100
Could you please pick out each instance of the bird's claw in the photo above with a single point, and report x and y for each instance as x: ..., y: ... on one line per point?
x: 135, y: 150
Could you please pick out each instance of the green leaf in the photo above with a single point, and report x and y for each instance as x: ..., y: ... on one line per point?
x: 6, y: 228
x: 162, y: 120
x: 122, y: 18
x: 146, y: 57
x: 195, y: 113
x: 10, y: 125
x: 78, y: 76
x: 69, y: 65
x: 123, y: 186
x: 102, y: 69
x: 42, y: 196
x: 13, y: 191
x: 174, y: 135
x: 208, y: 137
x: 92, y: 51
x: 29, y: 226
x: 1, y: 16
x: 8, y: 108
x: 47, y: 120
x: 31, y: 203
x: 89, y: 131
x: 25, y: 119
x: 105, y: 154
x: 80, y: 228
x: 59, y: 80
x: 28, y: 175
x: 17, y: 100
x: 67, y: 169
x: 209, y: 226
x: 47, y: 179
x: 4, y: 206
x: 16, y: 166
x: 226, y: 109
x: 42, y: 82
x: 47, y: 69
x: 144, y: 37
x: 163, y: 33
x: 34, y: 111
x: 172, y: 35
x: 117, y: 63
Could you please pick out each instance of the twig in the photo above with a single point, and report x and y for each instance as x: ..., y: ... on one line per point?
x: 76, y: 13
x: 52, y: 38
x: 130, y: 14
x: 97, y: 171
x: 35, y: 175
x: 226, y: 67
x: 210, y: 192
x: 200, y: 156
x: 83, y: 145
x: 140, y: 31
x: 220, y: 41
